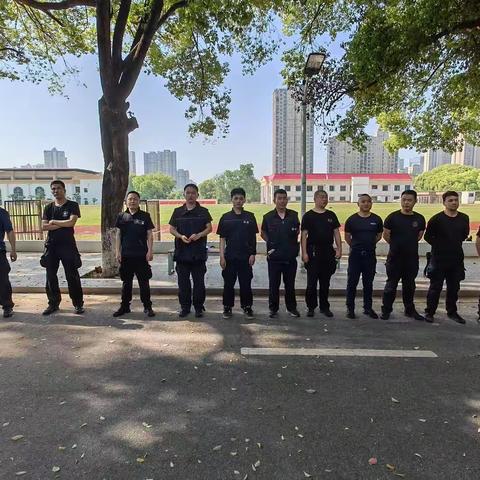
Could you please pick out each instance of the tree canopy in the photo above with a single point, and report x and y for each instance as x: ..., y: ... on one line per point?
x: 153, y: 185
x: 461, y: 178
x: 413, y: 66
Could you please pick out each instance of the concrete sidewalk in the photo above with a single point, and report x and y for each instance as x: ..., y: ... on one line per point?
x: 27, y: 276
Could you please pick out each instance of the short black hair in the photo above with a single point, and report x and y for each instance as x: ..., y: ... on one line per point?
x: 364, y: 195
x: 238, y: 191
x: 133, y: 191
x: 190, y: 185
x: 320, y: 192
x: 58, y: 182
x: 449, y: 193
x: 279, y: 191
x: 410, y: 192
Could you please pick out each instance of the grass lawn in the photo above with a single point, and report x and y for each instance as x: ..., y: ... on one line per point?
x: 91, y: 213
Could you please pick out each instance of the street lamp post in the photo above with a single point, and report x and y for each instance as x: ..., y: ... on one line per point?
x: 313, y: 66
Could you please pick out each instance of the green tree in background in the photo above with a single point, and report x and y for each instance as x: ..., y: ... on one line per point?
x: 449, y: 177
x: 153, y: 185
x: 208, y: 188
x: 412, y: 65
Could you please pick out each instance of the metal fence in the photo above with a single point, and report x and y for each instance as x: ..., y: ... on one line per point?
x: 26, y: 217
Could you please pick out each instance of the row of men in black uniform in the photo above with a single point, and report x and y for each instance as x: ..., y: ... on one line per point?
x: 191, y: 223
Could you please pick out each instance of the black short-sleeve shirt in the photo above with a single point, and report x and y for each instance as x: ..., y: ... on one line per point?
x: 320, y: 228
x: 64, y: 235
x: 5, y: 226
x: 364, y: 231
x: 240, y: 233
x: 133, y: 232
x: 282, y: 235
x: 187, y: 222
x: 404, y: 232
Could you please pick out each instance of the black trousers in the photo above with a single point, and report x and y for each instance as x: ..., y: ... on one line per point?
x: 452, y: 273
x: 139, y: 267
x: 277, y: 270
x: 319, y: 272
x: 398, y: 268
x: 240, y: 269
x: 197, y: 271
x: 69, y: 257
x: 5, y: 286
x: 362, y: 263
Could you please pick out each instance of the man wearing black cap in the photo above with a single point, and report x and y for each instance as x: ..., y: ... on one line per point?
x: 190, y: 224
x: 134, y: 251
x: 59, y: 218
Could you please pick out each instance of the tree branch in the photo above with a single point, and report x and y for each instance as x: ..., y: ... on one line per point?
x: 62, y: 5
x: 173, y: 8
x: 104, y: 48
x: 118, y: 35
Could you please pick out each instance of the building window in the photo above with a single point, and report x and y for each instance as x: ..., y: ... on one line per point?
x: 85, y: 201
x: 39, y: 193
x: 343, y: 188
x: 342, y: 199
x: 298, y: 188
x: 297, y: 199
x: 331, y: 199
x: 374, y: 187
x: 77, y: 189
x: 320, y: 187
x: 309, y: 188
x: 287, y: 188
x: 331, y: 188
x: 408, y: 187
x: 396, y: 198
x: 17, y: 193
x: 385, y: 188
x: 85, y: 190
x: 396, y: 188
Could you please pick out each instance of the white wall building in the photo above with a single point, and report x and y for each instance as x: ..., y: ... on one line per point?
x: 84, y: 186
x: 340, y: 187
x: 287, y: 151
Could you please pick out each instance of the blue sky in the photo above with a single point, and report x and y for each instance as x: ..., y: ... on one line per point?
x: 34, y: 121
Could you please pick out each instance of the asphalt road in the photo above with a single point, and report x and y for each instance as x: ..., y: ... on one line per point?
x: 136, y: 398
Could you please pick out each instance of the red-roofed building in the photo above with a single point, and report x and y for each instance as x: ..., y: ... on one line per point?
x: 341, y: 187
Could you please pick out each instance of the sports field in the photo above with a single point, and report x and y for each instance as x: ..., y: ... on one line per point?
x: 88, y: 226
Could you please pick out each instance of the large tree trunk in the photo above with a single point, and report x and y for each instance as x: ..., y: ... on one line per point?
x: 115, y: 127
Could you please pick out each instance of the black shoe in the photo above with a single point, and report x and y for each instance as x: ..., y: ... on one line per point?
x: 7, y: 312
x: 199, y: 313
x: 385, y: 316
x: 371, y: 313
x: 79, y: 310
x: 227, y: 312
x: 273, y: 314
x: 351, y: 314
x: 456, y: 317
x: 311, y: 312
x: 183, y: 313
x: 50, y: 309
x: 249, y: 313
x: 429, y: 318
x: 149, y: 311
x: 294, y: 313
x: 121, y: 311
x: 327, y: 313
x: 415, y: 315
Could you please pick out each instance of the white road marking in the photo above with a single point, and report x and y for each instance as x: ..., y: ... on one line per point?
x: 337, y: 352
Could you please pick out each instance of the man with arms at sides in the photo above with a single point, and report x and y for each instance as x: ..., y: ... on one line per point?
x: 5, y: 287
x: 190, y: 224
x: 362, y: 232
x: 59, y: 218
x: 446, y: 232
x: 320, y: 228
x: 238, y: 246
x: 403, y: 229
x: 280, y: 229
x: 134, y: 251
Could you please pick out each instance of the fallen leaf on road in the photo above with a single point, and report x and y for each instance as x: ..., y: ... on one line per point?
x: 6, y: 424
x: 55, y: 469
x: 390, y: 467
x: 307, y: 474
x: 17, y: 437
x: 402, y: 475
x: 217, y: 447
x: 311, y: 390
x: 257, y: 463
x: 233, y: 454
x: 83, y: 425
x: 372, y: 461
x: 146, y: 425
x: 418, y: 455
x: 394, y: 400
x: 140, y: 460
x: 423, y: 420
x: 279, y: 375
x: 171, y: 465
x: 19, y: 474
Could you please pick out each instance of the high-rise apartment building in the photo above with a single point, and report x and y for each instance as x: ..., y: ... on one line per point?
x: 288, y: 136
x: 55, y: 158
x: 434, y: 158
x: 161, y: 162
x: 182, y: 178
x: 342, y: 157
x: 132, y: 164
x: 469, y: 155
